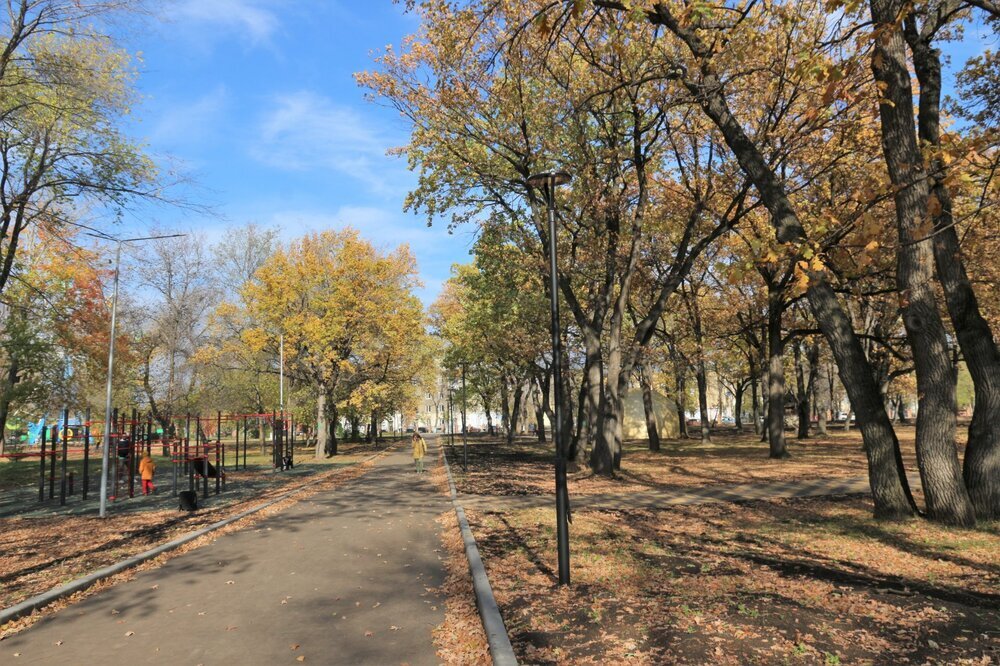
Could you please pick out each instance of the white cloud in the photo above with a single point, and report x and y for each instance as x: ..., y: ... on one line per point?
x: 190, y: 122
x: 249, y: 18
x: 305, y: 131
x: 435, y: 249
x: 383, y: 227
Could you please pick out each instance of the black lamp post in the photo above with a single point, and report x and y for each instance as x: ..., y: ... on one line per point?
x: 547, y: 183
x: 465, y: 436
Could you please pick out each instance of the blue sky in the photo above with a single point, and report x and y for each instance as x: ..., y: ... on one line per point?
x: 256, y: 101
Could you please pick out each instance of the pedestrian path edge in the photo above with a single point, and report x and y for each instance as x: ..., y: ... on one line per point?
x: 55, y: 594
x: 501, y: 651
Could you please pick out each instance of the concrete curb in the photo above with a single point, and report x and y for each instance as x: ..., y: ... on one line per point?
x: 40, y: 601
x: 501, y: 650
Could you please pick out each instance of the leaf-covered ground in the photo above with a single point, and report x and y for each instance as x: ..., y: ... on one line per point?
x: 39, y: 553
x: 812, y: 581
x: 525, y: 467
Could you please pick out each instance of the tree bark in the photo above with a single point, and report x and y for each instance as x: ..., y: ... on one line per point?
x: 822, y: 404
x: 648, y: 410
x: 680, y: 391
x: 373, y: 427
x: 701, y: 379
x: 805, y: 384
x: 541, y: 407
x: 775, y: 375
x: 322, y: 432
x: 6, y: 394
x: 515, y: 414
x: 940, y: 473
x: 982, y: 455
x: 738, y: 405
x: 504, y: 405
x: 331, y: 441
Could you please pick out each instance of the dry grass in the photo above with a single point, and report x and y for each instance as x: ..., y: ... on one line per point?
x: 525, y: 467
x: 785, y: 581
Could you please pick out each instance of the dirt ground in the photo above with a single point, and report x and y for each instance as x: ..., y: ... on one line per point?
x: 791, y: 581
x: 812, y: 581
x: 525, y: 467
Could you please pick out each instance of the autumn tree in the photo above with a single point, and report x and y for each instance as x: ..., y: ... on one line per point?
x: 65, y: 86
x: 349, y: 319
x: 53, y: 333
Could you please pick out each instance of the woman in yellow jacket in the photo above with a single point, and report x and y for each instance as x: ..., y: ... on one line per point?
x: 419, y: 449
x: 146, y: 470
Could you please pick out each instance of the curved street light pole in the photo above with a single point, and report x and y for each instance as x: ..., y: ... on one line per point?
x: 547, y: 183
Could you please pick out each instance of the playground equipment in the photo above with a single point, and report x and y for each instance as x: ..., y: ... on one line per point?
x: 193, y: 446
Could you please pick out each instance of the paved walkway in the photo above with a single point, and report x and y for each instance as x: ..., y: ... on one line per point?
x: 342, y: 577
x: 653, y: 499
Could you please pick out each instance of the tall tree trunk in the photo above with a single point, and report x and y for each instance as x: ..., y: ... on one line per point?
x: 580, y: 433
x: 700, y: 371
x: 515, y: 414
x: 594, y: 367
x: 803, y: 386
x: 775, y: 375
x: 754, y: 398
x: 738, y: 405
x: 940, y: 473
x: 607, y: 445
x: 331, y: 441
x: 888, y: 481
x: 701, y: 378
x: 541, y: 408
x: 373, y: 428
x: 890, y: 489
x: 606, y: 456
x: 10, y: 379
x: 822, y: 402
x: 680, y: 382
x: 322, y: 432
x: 982, y: 454
x: 504, y: 405
x: 648, y: 410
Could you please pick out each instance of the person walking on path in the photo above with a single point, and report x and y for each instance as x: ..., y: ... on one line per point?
x: 419, y: 449
x: 147, y: 468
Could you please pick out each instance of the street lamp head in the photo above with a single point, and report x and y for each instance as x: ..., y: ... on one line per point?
x: 549, y: 179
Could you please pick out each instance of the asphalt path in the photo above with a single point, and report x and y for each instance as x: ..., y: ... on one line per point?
x: 343, y: 577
